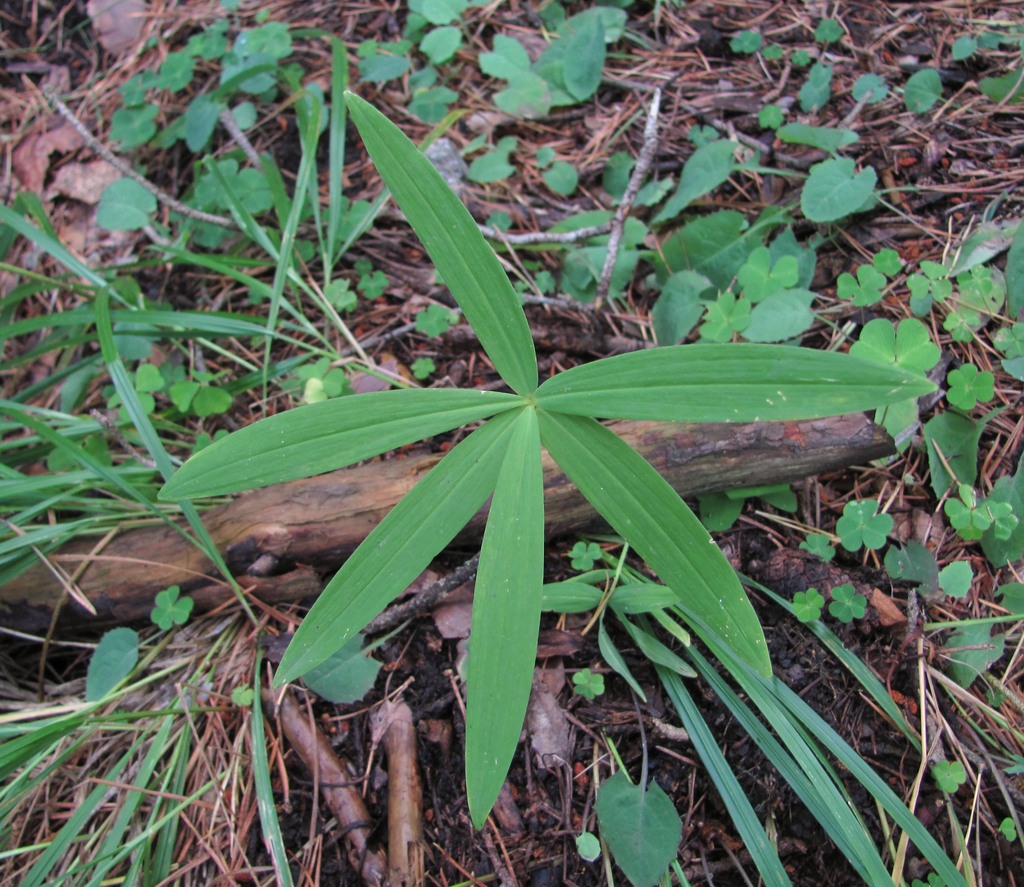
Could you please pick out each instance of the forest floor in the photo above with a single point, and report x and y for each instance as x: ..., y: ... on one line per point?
x: 949, y: 174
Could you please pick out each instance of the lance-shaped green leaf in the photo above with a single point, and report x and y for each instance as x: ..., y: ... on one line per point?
x: 643, y: 509
x: 400, y: 547
x: 466, y: 263
x: 727, y: 383
x: 506, y: 618
x: 320, y: 437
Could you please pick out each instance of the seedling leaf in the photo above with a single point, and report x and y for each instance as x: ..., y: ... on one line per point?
x: 112, y: 661
x: 833, y: 190
x: 922, y: 90
x: 125, y: 206
x: 640, y: 826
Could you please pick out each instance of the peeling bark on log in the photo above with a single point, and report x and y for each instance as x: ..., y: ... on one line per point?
x: 277, y: 538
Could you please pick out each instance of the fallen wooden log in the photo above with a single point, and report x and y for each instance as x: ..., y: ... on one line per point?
x: 278, y: 539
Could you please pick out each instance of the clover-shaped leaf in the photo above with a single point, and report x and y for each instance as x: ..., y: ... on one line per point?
x: 171, y: 608
x: 584, y: 555
x: 928, y: 285
x: 846, y: 604
x: 759, y: 277
x: 829, y: 30
x: 423, y: 368
x: 818, y: 544
x: 588, y: 684
x: 807, y: 605
x: 864, y: 289
x: 746, y: 42
x: 908, y: 345
x: 725, y: 317
x: 243, y: 696
x: 862, y: 525
x: 888, y: 261
x: 436, y: 320
x: 1010, y: 340
x: 949, y: 775
x: 968, y: 386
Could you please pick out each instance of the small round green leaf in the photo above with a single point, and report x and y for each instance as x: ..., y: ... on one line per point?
x: 834, y: 190
x: 923, y: 90
x: 112, y: 661
x: 125, y: 206
x: 640, y: 826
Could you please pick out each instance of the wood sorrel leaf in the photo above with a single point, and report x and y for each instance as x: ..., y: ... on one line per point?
x: 506, y: 618
x: 466, y: 263
x: 643, y: 509
x: 331, y: 434
x: 727, y: 383
x: 400, y: 547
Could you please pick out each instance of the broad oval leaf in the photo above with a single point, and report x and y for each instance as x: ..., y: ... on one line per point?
x: 466, y: 263
x: 643, y: 509
x: 506, y: 618
x: 727, y: 383
x: 320, y: 437
x: 400, y: 547
x: 112, y: 661
x: 834, y: 190
x: 641, y: 826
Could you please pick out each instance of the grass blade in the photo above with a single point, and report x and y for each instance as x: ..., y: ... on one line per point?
x: 264, y: 787
x: 813, y: 781
x: 643, y: 509
x: 466, y: 263
x: 506, y: 618
x: 320, y: 437
x: 727, y: 383
x: 400, y: 547
x: 750, y: 828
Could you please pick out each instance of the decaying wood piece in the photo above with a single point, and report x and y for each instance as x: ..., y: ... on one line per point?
x: 336, y: 786
x: 406, y: 864
x: 276, y: 538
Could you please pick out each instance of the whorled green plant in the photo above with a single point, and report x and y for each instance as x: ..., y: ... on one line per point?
x: 502, y: 459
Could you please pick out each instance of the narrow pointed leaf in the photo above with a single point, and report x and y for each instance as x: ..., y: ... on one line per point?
x: 643, y: 509
x: 400, y: 547
x: 506, y: 618
x: 727, y: 383
x: 320, y: 437
x: 466, y: 263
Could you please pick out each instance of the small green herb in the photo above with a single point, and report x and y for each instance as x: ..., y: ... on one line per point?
x: 862, y: 525
x: 436, y: 320
x: 818, y: 544
x: 588, y: 846
x: 968, y: 386
x: 922, y: 90
x: 949, y: 775
x: 171, y: 608
x: 847, y: 604
x: 243, y: 696
x: 829, y: 30
x: 588, y: 684
x: 807, y: 605
x: 423, y: 368
x: 584, y: 555
x: 746, y: 42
